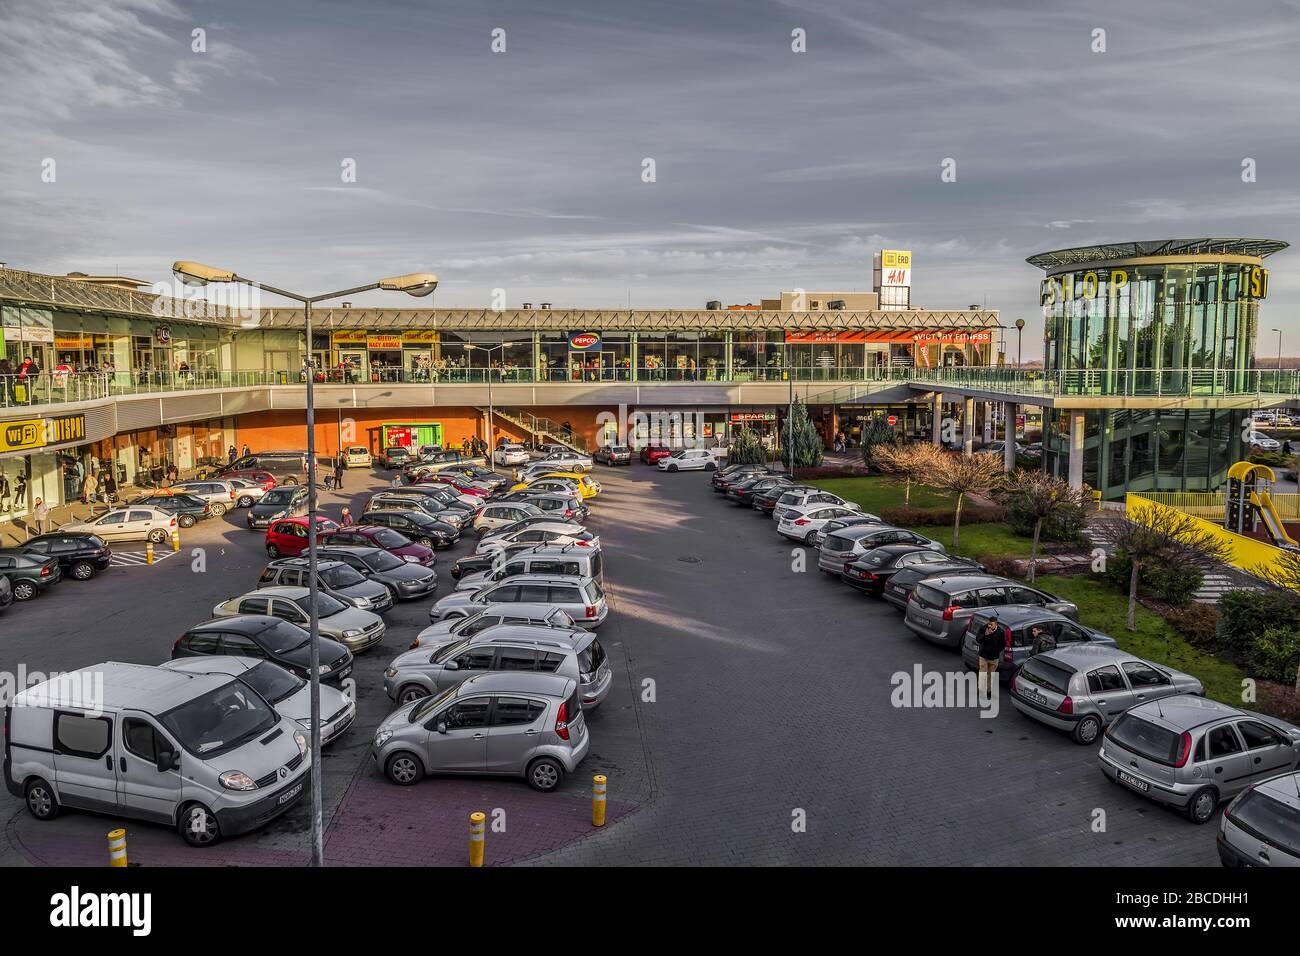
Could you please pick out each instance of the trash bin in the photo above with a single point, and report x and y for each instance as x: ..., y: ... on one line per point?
x: 283, y: 378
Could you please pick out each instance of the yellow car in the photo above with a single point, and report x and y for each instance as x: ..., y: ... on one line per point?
x: 588, y: 487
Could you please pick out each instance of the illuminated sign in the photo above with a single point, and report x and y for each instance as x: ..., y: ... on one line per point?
x: 65, y: 428
x: 740, y: 417
x: 384, y: 342
x: 585, y: 341
x: 895, y: 269
x: 954, y: 338
x: 21, y: 435
x: 1088, y: 285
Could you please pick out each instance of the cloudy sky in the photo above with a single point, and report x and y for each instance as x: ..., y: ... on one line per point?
x: 523, y: 169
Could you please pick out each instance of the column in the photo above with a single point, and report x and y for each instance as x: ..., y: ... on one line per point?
x: 936, y: 418
x: 1009, y: 412
x: 988, y: 421
x: 1076, y: 448
x: 968, y: 427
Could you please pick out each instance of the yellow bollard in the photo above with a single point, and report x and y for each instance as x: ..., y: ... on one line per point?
x: 117, y: 848
x: 598, y: 800
x: 176, y: 540
x: 148, y: 552
x: 477, y: 832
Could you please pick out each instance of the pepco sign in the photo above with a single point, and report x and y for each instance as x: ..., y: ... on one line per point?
x: 584, y: 341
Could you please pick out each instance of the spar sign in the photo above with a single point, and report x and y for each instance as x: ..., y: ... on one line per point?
x: 584, y: 341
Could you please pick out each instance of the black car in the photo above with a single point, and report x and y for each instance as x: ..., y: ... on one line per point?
x: 395, y: 456
x: 29, y: 574
x: 441, y: 493
x: 419, y: 527
x: 872, y: 571
x: 188, y: 509
x: 283, y: 501
x: 743, y: 492
x: 900, y: 585
x: 80, y: 555
x: 265, y: 638
x: 403, y: 579
x: 724, y: 477
x: 472, y: 563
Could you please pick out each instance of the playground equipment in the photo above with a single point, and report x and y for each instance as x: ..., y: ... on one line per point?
x: 1247, y: 502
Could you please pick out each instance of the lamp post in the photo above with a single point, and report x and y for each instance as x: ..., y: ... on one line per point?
x: 1279, y: 349
x: 470, y: 346
x: 1020, y: 328
x: 417, y: 284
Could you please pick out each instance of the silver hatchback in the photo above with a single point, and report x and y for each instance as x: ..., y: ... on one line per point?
x: 939, y: 608
x: 526, y: 725
x: 1081, y: 688
x: 846, y: 545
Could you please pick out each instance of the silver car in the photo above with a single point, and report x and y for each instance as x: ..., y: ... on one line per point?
x: 939, y: 608
x: 1080, y: 688
x: 219, y: 494
x: 509, y: 647
x: 452, y: 629
x: 1261, y: 827
x: 552, y: 532
x: 247, y: 491
x: 493, y: 516
x: 522, y: 724
x: 581, y: 598
x: 128, y: 523
x: 800, y: 499
x: 1192, y: 752
x: 843, y: 547
x: 352, y: 627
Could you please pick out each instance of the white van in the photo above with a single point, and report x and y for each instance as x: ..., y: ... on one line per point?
x: 204, y: 753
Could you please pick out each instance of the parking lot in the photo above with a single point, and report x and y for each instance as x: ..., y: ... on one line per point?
x: 750, y: 721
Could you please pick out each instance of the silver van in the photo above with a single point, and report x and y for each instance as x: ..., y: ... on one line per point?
x: 581, y: 598
x: 526, y: 725
x: 511, y: 647
x: 1192, y: 752
x: 939, y: 608
x: 567, y: 560
x: 204, y: 753
x: 452, y: 629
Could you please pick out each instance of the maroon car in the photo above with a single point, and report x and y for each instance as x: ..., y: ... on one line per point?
x: 650, y: 454
x: 373, y: 536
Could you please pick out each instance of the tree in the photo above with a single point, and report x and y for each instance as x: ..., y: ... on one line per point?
x: 917, y: 463
x: 745, y: 448
x: 963, y: 475
x: 1176, y: 542
x: 1042, y: 499
x: 806, y: 441
x: 877, y: 433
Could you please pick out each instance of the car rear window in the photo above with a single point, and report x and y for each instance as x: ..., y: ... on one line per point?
x: 590, y: 659
x: 1146, y: 739
x: 1268, y: 819
x: 1045, y: 674
x: 929, y: 598
x: 835, y: 542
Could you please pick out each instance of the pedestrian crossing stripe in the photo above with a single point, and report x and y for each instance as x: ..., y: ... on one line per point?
x: 126, y: 559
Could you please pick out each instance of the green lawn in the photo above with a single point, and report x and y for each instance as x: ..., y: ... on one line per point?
x: 875, y: 493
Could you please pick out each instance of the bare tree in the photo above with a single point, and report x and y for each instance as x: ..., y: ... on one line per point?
x: 1175, y: 541
x: 906, y: 465
x: 963, y: 475
x: 1043, y: 498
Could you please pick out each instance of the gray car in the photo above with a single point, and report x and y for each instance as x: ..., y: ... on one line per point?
x: 452, y: 629
x: 1261, y: 827
x: 1191, y: 752
x: 899, y: 588
x: 433, y: 507
x: 1026, y: 630
x: 352, y: 627
x: 845, y: 546
x: 581, y: 598
x: 508, y: 647
x: 524, y: 724
x: 940, y: 607
x: 336, y: 578
x: 1081, y: 688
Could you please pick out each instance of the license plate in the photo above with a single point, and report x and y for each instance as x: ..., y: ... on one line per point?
x: 1036, y: 697
x: 345, y: 672
x: 1134, y: 782
x: 289, y: 795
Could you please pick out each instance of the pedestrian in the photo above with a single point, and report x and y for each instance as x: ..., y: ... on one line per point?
x: 89, y: 488
x: 991, y: 645
x: 464, y: 447
x: 346, y: 520
x: 329, y: 481
x: 247, y: 451
x: 231, y: 455
x: 41, y: 515
x: 1041, y: 640
x: 397, y: 480
x: 338, y: 474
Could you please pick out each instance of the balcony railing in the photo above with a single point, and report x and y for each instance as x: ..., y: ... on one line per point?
x: 1182, y: 382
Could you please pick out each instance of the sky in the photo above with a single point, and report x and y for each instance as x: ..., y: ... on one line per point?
x: 525, y: 169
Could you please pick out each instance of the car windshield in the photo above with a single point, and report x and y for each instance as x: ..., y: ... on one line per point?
x: 1146, y: 739
x: 282, y: 637
x: 465, y: 623
x: 220, y: 720
x: 388, y: 538
x: 451, y: 650
x: 427, y: 706
x: 383, y: 561
x: 272, y: 681
x: 341, y: 577
x: 325, y: 605
x: 1269, y: 817
x: 279, y: 496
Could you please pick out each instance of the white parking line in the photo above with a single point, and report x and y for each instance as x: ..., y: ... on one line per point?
x: 127, y: 559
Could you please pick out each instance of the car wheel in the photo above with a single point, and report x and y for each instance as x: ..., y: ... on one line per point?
x: 158, y: 536
x: 186, y: 521
x: 711, y: 466
x: 1086, y: 730
x: 411, y: 692
x: 1202, y: 805
x: 217, y: 509
x: 245, y: 502
x: 41, y: 802
x: 403, y: 769
x: 427, y: 542
x: 810, y: 538
x: 24, y: 591
x: 672, y: 468
x: 198, y: 826
x: 545, y: 774
x: 272, y: 551
x: 83, y: 571
x: 289, y: 480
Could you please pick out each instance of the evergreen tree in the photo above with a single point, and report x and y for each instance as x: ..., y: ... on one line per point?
x: 807, y: 442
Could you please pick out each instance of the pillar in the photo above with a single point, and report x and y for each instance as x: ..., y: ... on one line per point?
x: 968, y: 427
x: 936, y: 418
x: 1009, y: 412
x: 988, y: 421
x: 1076, y: 448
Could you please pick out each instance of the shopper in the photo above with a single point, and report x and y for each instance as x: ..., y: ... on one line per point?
x: 89, y: 488
x: 991, y: 645
x: 346, y: 520
x: 41, y: 515
x: 231, y: 455
x: 338, y: 474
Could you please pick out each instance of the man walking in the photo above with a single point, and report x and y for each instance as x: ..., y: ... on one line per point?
x: 338, y: 473
x: 991, y: 645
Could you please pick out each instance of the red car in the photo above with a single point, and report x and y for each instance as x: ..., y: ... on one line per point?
x: 263, y: 478
x: 451, y: 481
x: 287, y: 537
x: 373, y: 536
x: 650, y: 454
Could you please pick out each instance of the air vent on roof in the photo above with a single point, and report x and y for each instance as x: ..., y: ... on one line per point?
x: 835, y: 304
x: 546, y: 305
x: 713, y: 305
x: 526, y: 305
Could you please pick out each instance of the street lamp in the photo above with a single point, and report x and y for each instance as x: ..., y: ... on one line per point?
x: 1279, y: 349
x: 470, y: 346
x: 1020, y: 329
x: 416, y: 284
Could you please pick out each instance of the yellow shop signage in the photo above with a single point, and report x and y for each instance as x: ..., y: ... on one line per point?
x: 21, y: 435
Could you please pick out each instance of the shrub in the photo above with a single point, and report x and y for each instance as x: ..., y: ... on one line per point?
x: 1175, y: 585
x: 831, y: 471
x: 1275, y: 655
x: 1245, y: 615
x: 745, y: 448
x: 1031, y: 496
x: 1198, y: 624
x: 943, y: 515
x: 1001, y: 565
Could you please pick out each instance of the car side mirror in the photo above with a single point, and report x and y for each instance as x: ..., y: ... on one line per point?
x: 167, y: 760
x: 442, y: 726
x: 451, y: 666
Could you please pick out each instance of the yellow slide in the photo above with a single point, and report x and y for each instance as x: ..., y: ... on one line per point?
x: 1272, y: 520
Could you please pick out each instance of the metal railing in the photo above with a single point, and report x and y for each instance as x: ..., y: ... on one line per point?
x: 1211, y: 505
x: 543, y: 428
x: 1124, y: 382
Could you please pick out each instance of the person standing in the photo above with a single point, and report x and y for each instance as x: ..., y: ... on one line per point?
x: 89, y: 488
x: 338, y: 473
x: 346, y: 520
x: 41, y: 515
x: 231, y: 455
x: 991, y: 644
x: 247, y: 451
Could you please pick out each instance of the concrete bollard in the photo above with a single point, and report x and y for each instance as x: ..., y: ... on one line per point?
x: 148, y: 552
x: 598, y: 784
x: 117, y: 848
x: 477, y: 833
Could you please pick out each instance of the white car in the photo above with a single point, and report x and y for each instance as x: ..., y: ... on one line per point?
x: 1264, y: 443
x: 804, y: 526
x: 129, y: 523
x: 288, y: 693
x: 493, y: 516
x: 357, y: 456
x: 510, y: 455
x: 690, y: 459
x: 544, y: 532
x: 802, y: 499
x: 247, y: 492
